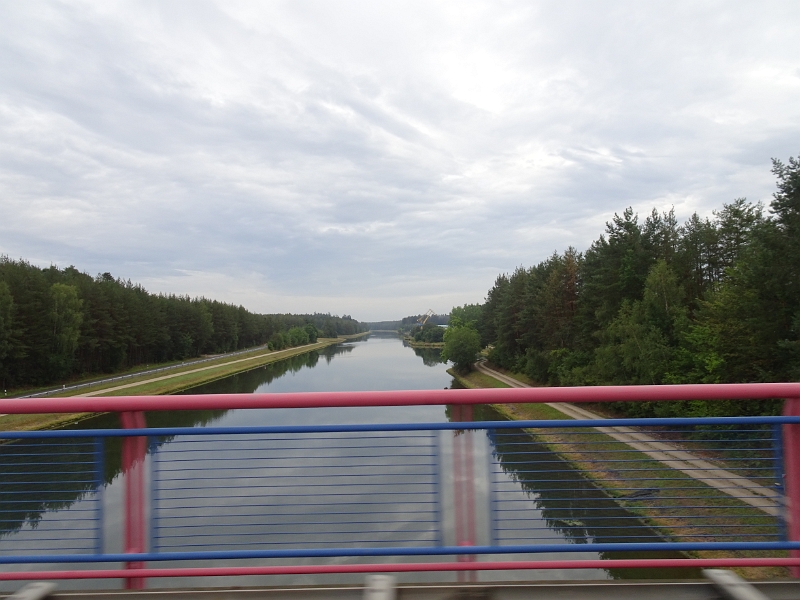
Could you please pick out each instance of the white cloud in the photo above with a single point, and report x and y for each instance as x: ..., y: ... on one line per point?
x: 368, y: 158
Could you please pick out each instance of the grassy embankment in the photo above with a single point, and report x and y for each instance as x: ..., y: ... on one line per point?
x: 174, y: 380
x: 414, y: 344
x: 679, y: 494
x: 476, y: 379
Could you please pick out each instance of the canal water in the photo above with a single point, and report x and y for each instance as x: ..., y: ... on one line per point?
x: 56, y: 496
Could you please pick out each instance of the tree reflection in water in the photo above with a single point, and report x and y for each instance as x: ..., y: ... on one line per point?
x: 568, y: 502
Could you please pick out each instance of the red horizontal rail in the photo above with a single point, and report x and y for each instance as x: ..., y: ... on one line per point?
x: 645, y: 563
x: 630, y: 393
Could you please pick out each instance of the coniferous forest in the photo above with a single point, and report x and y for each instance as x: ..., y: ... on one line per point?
x: 60, y: 323
x: 652, y: 301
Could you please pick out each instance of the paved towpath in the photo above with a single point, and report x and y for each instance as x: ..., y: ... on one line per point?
x: 181, y: 373
x: 216, y: 365
x: 741, y: 488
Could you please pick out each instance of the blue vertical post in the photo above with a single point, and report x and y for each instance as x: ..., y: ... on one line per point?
x: 99, y: 484
x: 153, y: 494
x: 777, y: 462
x: 490, y: 491
x: 437, y: 470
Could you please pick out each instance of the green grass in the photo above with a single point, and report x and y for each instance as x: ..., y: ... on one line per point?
x: 414, y: 344
x: 24, y: 391
x: 476, y: 379
x: 35, y: 422
x: 530, y: 412
x: 521, y: 377
x: 176, y: 380
x: 182, y: 378
x: 679, y: 494
x: 596, y: 455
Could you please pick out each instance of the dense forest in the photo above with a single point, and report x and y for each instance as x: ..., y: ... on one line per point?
x: 713, y: 300
x: 60, y: 323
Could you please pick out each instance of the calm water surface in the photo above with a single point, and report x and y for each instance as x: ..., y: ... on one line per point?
x: 32, y: 515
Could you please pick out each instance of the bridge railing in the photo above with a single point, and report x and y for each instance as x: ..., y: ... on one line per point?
x: 589, y: 492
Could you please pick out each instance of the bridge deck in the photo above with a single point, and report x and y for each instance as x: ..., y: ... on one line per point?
x: 569, y: 590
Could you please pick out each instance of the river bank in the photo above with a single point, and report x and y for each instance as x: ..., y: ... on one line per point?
x: 476, y: 380
x: 380, y: 363
x: 599, y: 465
x: 175, y: 381
x: 414, y: 344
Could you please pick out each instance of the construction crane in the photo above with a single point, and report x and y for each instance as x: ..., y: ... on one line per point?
x: 424, y: 318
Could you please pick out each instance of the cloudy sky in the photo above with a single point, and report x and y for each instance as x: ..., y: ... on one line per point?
x: 375, y: 158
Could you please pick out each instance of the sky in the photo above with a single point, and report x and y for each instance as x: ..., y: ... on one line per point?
x: 372, y: 158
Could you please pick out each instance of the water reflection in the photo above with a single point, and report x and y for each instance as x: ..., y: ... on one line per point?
x: 52, y: 489
x: 47, y: 475
x: 248, y: 382
x: 430, y: 356
x: 40, y: 476
x: 563, y: 499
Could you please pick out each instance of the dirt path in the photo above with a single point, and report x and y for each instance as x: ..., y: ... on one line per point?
x: 741, y: 488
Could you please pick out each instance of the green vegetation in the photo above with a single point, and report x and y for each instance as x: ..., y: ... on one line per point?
x: 431, y: 355
x: 428, y: 333
x: 475, y: 379
x: 597, y: 457
x: 296, y: 336
x: 710, y: 301
x: 469, y: 314
x: 462, y: 343
x: 179, y: 379
x: 677, y: 516
x: 60, y: 324
x: 407, y: 324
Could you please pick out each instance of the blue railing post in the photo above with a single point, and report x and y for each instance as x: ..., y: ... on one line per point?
x: 307, y: 491
x: 153, y: 494
x: 439, y: 483
x: 779, y: 474
x: 490, y: 489
x: 99, y: 483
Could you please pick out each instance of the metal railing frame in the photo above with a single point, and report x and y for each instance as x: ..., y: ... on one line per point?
x: 131, y: 410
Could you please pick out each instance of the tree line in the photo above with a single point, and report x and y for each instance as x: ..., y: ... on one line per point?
x: 714, y: 300
x: 427, y: 333
x: 60, y: 323
x: 406, y: 324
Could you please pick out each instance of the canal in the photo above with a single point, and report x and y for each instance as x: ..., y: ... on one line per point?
x: 56, y: 496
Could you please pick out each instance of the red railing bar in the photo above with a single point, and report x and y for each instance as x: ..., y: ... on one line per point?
x: 629, y: 393
x: 791, y: 461
x: 645, y: 563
